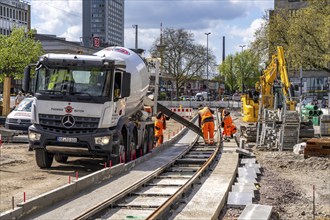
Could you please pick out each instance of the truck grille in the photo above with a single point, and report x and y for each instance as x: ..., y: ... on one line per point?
x: 82, y: 125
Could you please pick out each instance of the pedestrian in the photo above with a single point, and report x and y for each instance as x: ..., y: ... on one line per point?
x: 206, y: 122
x: 229, y: 129
x: 160, y: 125
x: 19, y: 98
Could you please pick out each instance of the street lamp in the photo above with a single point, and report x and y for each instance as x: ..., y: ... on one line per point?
x: 242, y: 46
x: 242, y: 83
x: 136, y: 35
x: 207, y: 60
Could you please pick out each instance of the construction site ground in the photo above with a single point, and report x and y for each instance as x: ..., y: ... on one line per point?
x: 286, y: 183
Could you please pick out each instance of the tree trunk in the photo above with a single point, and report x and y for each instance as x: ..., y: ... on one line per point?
x: 6, y: 96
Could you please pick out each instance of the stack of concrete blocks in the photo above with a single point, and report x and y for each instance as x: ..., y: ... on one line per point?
x: 268, y: 132
x: 243, y: 191
x: 288, y: 135
x: 325, y: 125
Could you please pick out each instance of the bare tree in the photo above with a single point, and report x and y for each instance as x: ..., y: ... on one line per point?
x: 182, y: 58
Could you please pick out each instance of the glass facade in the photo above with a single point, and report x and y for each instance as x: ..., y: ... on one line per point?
x: 13, y: 14
x: 314, y: 87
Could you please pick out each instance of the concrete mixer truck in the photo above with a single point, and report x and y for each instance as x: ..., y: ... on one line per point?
x: 89, y: 105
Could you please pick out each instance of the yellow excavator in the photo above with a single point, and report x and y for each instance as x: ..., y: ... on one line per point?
x: 273, y: 77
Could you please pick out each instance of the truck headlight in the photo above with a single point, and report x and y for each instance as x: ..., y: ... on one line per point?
x: 33, y: 136
x: 102, y: 140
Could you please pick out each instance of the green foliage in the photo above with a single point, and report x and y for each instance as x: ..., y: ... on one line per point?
x: 303, y: 33
x: 17, y: 51
x: 240, y: 69
x: 182, y: 58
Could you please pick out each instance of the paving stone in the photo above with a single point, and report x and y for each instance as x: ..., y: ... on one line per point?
x: 244, y: 152
x: 244, y: 184
x: 246, y: 180
x: 254, y: 165
x: 255, y: 211
x: 248, y: 160
x: 247, y: 175
x: 239, y: 199
x: 249, y: 170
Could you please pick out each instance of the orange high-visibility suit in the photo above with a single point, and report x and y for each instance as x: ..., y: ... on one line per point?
x: 206, y: 122
x: 229, y: 128
x: 159, y: 126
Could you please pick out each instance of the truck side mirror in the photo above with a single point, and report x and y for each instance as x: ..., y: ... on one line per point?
x: 26, y: 79
x: 126, y: 85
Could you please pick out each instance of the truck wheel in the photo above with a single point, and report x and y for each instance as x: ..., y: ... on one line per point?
x: 43, y: 158
x: 151, y: 138
x: 145, y: 142
x: 131, y: 148
x: 61, y: 158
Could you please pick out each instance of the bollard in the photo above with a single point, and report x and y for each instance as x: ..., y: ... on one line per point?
x: 110, y: 163
x: 169, y: 136
x: 0, y: 140
x: 120, y: 159
x: 24, y: 197
x: 76, y: 175
x: 105, y: 164
x: 69, y: 179
x: 13, y: 202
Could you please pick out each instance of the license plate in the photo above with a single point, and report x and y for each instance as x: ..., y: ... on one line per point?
x: 67, y: 139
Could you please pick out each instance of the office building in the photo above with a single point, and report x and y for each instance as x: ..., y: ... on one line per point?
x: 103, y: 23
x: 14, y: 13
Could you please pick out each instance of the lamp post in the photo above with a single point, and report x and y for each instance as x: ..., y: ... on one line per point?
x: 136, y: 35
x: 207, y: 61
x: 242, y: 46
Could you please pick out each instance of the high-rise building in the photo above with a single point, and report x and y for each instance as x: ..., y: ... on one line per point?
x: 14, y: 13
x: 103, y: 23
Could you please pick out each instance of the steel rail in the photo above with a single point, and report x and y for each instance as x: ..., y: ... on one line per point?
x: 102, y: 205
x: 166, y: 206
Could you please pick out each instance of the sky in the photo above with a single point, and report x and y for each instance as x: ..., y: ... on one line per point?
x: 235, y: 19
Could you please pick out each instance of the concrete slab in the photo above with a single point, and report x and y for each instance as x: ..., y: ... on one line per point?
x: 247, y: 175
x: 246, y: 180
x: 157, y: 191
x: 206, y: 203
x: 239, y: 187
x: 254, y: 165
x: 244, y: 184
x: 239, y: 199
x: 249, y: 170
x: 245, y: 152
x: 255, y: 211
x: 248, y: 160
x: 117, y: 213
x: 142, y: 201
x: 168, y: 182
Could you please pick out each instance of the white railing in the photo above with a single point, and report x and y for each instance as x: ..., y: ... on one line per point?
x: 196, y: 104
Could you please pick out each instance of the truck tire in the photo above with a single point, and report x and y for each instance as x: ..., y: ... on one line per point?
x: 144, y: 147
x: 151, y: 138
x: 61, y: 158
x: 43, y: 158
x: 131, y: 148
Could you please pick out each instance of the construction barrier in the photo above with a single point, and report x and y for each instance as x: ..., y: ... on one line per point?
x: 183, y: 112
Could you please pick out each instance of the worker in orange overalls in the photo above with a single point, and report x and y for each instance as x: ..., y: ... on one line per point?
x: 228, y: 127
x: 160, y: 125
x: 206, y: 122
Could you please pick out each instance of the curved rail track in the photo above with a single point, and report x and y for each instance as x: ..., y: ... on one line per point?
x: 153, y: 197
x: 150, y: 192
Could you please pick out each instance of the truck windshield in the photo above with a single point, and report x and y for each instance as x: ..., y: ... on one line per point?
x: 92, y: 82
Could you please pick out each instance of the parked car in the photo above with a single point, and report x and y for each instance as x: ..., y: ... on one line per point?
x: 20, y: 117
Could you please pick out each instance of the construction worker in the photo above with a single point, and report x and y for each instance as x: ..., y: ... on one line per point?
x: 19, y: 98
x: 228, y: 127
x: 160, y: 125
x: 206, y: 122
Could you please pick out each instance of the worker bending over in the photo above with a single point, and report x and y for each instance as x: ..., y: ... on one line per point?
x: 228, y: 127
x: 206, y: 122
x: 160, y: 125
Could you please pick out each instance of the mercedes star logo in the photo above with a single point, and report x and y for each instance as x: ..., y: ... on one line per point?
x: 68, y: 121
